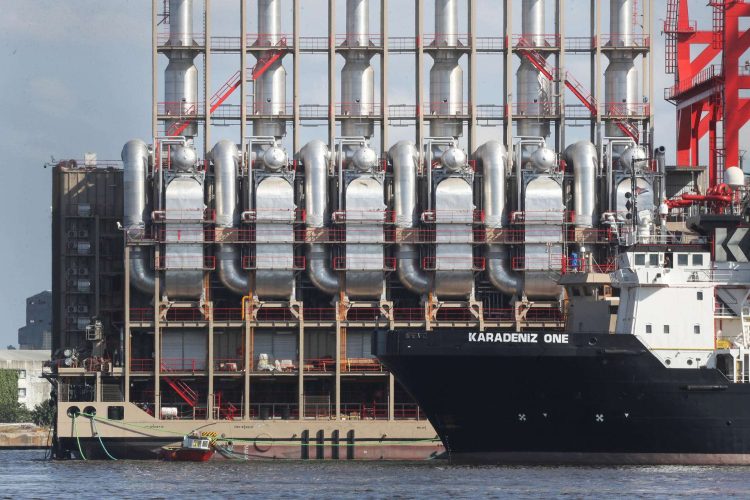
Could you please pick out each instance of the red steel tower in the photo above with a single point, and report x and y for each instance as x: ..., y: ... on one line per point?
x: 708, y: 90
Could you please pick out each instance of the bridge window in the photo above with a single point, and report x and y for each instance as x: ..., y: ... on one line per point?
x: 682, y: 259
x: 653, y: 259
x: 698, y: 259
x: 640, y: 259
x: 649, y: 328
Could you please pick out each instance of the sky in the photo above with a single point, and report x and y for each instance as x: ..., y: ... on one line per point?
x: 76, y: 78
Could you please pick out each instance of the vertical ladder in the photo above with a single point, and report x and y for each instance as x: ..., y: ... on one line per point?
x: 670, y: 30
x: 718, y: 23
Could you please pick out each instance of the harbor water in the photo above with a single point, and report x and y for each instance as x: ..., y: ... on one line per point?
x: 26, y: 474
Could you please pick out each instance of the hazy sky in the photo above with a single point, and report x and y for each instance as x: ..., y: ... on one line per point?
x: 75, y: 77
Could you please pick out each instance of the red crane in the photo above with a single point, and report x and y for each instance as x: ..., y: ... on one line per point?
x: 711, y: 88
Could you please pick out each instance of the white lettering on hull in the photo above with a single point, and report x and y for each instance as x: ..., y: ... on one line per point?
x: 518, y: 338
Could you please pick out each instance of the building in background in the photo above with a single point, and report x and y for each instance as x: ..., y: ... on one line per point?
x: 37, y: 334
x: 32, y: 388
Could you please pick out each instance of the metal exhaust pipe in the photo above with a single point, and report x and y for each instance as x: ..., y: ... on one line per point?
x: 315, y: 156
x: 135, y: 171
x: 582, y: 155
x: 226, y: 157
x: 494, y: 159
x: 405, y: 158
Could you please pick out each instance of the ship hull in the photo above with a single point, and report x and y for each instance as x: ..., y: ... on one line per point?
x: 578, y: 399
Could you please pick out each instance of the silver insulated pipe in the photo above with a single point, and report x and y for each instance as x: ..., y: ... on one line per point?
x: 316, y: 156
x: 494, y: 160
x: 135, y: 212
x: 446, y: 76
x: 583, y: 156
x: 533, y: 94
x: 620, y: 77
x: 181, y: 75
x: 357, y: 75
x: 226, y: 157
x: 270, y: 86
x: 405, y: 158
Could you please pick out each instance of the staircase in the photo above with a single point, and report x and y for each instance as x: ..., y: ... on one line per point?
x: 182, y: 389
x: 540, y: 63
x: 578, y: 89
x: 226, y: 90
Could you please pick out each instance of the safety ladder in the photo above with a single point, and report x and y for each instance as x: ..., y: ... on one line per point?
x: 670, y: 30
x: 226, y: 90
x: 183, y: 390
x: 718, y: 22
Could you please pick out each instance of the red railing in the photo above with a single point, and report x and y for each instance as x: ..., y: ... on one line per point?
x: 626, y: 109
x: 355, y: 263
x: 227, y: 314
x: 198, y: 37
x: 577, y: 264
x: 445, y: 40
x: 185, y: 314
x: 180, y: 109
x: 141, y: 314
x: 186, y: 262
x: 453, y: 216
x: 142, y: 365
x: 290, y: 215
x: 325, y: 365
x: 453, y: 263
x: 182, y: 364
x: 548, y: 40
x: 362, y: 365
x: 319, y: 313
x: 545, y: 216
x: 184, y: 215
x: 364, y: 216
x: 538, y: 263
x: 441, y: 108
x: 274, y: 262
x: 639, y: 40
x: 540, y: 108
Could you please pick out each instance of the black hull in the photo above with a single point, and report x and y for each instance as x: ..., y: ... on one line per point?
x: 593, y: 399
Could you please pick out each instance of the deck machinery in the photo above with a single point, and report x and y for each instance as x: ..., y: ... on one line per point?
x: 254, y: 279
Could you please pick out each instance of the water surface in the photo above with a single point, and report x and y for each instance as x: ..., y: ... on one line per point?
x: 25, y: 474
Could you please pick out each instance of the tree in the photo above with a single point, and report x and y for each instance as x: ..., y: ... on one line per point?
x: 43, y: 414
x: 11, y: 410
x: 11, y: 347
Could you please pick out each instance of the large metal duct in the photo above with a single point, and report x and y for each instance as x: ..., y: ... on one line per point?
x: 583, y: 156
x: 181, y: 75
x: 275, y: 215
x: 365, y: 210
x: 135, y: 212
x: 494, y: 160
x: 183, y: 259
x: 270, y: 87
x: 316, y: 156
x: 620, y: 77
x: 405, y: 158
x: 357, y: 75
x: 226, y: 157
x: 533, y: 89
x: 446, y: 76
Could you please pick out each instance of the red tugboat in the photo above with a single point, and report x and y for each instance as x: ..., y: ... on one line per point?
x: 195, y: 448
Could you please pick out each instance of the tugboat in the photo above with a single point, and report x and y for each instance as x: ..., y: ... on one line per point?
x: 194, y: 448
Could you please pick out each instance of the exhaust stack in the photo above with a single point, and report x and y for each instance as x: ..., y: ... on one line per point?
x: 181, y: 75
x: 533, y: 88
x: 620, y: 77
x: 270, y: 87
